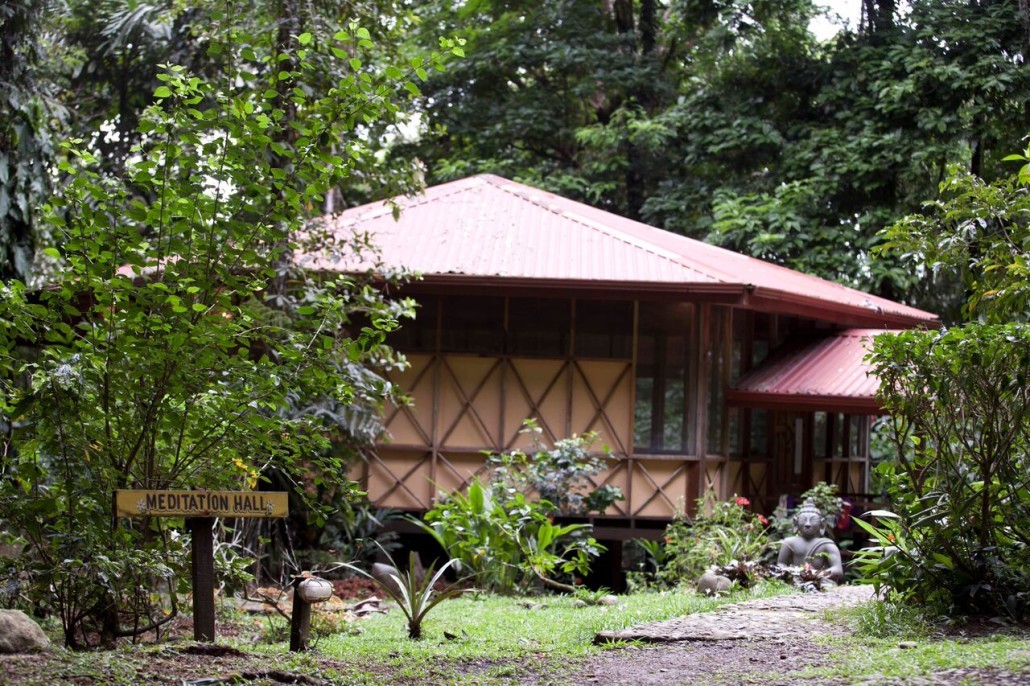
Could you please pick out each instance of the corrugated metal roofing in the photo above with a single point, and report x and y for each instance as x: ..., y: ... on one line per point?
x: 828, y: 374
x: 485, y: 229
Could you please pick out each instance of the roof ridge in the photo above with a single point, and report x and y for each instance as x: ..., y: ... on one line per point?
x: 413, y: 200
x: 514, y: 188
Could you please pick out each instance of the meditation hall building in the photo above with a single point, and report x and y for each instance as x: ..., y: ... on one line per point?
x: 699, y: 367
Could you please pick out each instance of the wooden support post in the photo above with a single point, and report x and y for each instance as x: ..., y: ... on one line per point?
x: 300, y: 622
x: 202, y: 532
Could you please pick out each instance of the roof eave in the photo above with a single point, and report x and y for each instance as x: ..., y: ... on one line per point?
x: 460, y: 283
x: 785, y: 302
x: 792, y: 402
x: 760, y: 299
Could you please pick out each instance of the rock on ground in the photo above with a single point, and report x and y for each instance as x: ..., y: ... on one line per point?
x: 20, y: 634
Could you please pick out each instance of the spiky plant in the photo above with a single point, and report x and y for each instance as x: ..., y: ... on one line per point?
x: 414, y: 590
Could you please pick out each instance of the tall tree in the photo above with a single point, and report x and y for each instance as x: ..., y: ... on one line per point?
x: 27, y: 110
x: 538, y: 74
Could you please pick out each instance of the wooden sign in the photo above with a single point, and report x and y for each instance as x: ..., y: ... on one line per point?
x: 205, y: 504
x: 199, y: 509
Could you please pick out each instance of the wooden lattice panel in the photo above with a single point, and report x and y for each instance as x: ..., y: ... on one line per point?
x: 714, y: 479
x: 618, y: 474
x: 469, y: 402
x: 413, y: 424
x: 601, y: 395
x: 538, y: 389
x: 401, y: 479
x: 736, y: 478
x: 455, y: 471
x: 661, y: 487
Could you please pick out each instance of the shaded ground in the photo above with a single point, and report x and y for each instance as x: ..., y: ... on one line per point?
x: 766, y: 641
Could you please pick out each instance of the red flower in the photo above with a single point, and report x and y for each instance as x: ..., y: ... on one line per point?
x: 742, y: 501
x: 763, y: 520
x: 668, y: 539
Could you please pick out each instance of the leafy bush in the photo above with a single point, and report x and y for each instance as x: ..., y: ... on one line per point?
x: 722, y: 533
x: 506, y: 540
x: 505, y: 531
x: 171, y: 352
x: 959, y: 533
x: 647, y: 558
x: 561, y: 475
x: 958, y: 537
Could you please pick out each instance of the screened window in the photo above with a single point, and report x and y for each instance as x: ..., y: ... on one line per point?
x: 604, y: 329
x: 470, y: 324
x: 716, y: 364
x: 539, y: 327
x: 664, y: 399
x: 419, y: 334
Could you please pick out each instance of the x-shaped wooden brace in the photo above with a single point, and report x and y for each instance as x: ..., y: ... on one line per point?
x: 402, y: 482
x: 406, y: 410
x: 535, y: 403
x: 601, y: 405
x: 658, y: 490
x: 468, y: 399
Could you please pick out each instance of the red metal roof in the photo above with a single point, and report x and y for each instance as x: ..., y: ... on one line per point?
x: 829, y: 374
x: 488, y: 231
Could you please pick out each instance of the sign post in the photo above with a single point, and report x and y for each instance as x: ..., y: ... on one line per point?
x: 199, y: 509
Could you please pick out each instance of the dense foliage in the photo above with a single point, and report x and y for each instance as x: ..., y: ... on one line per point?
x: 173, y: 356
x: 561, y: 474
x: 960, y: 413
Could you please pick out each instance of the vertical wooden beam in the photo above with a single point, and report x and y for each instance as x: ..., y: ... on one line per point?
x: 701, y: 408
x: 631, y: 464
x: 570, y: 381
x: 203, y: 573
x: 436, y: 395
x: 300, y: 622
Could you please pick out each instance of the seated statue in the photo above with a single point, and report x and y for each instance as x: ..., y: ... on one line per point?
x: 811, y: 546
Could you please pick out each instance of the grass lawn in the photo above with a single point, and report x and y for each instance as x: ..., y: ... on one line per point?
x: 496, y: 639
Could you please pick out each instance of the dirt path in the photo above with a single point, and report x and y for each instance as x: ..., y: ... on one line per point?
x: 755, y: 642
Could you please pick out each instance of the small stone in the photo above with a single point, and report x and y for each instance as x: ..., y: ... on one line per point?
x: 907, y: 645
x: 608, y: 600
x: 711, y: 583
x: 20, y: 634
x: 579, y: 603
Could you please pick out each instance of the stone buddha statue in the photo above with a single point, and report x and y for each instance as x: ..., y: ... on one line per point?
x: 810, y: 545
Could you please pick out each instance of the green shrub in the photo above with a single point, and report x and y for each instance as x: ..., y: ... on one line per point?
x: 507, y: 540
x: 957, y: 537
x: 561, y: 475
x: 723, y: 532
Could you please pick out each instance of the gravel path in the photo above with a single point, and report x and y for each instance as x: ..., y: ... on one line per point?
x: 756, y: 642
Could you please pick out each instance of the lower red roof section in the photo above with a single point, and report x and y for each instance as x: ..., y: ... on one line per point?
x: 829, y: 374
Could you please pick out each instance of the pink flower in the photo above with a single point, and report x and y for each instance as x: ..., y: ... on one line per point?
x: 763, y: 520
x: 742, y: 501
